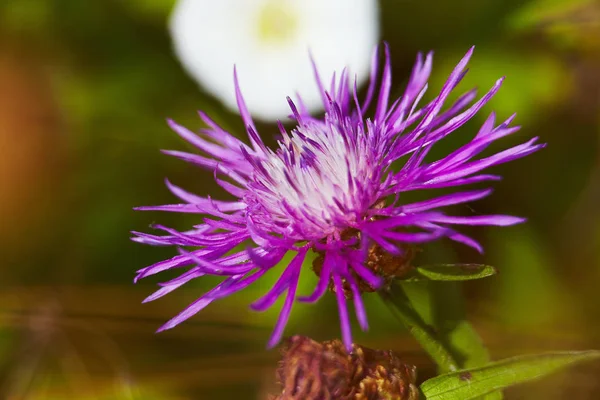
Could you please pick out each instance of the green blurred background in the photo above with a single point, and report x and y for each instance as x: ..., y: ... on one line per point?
x: 85, y: 87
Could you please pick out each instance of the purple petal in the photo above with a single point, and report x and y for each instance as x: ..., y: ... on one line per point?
x: 226, y: 288
x: 284, y: 282
x: 177, y: 261
x: 197, y: 305
x: 268, y: 259
x: 409, y: 237
x: 498, y: 220
x: 460, y: 238
x: 223, y: 206
x: 513, y: 153
x: 168, y: 288
x: 451, y: 199
x: 372, y: 80
x: 229, y: 187
x: 415, y: 88
x: 217, y: 151
x: 179, y: 208
x: 384, y: 91
x: 324, y: 276
x: 185, y: 239
x: 400, y: 220
x: 366, y: 274
x: 462, y: 118
x: 359, y: 306
x: 468, y: 151
x: 210, y: 267
x: 487, y: 126
x: 319, y: 82
x: 343, y: 310
x: 246, y: 117
x: 453, y: 79
x: 456, y: 182
x: 195, y: 159
x: 289, y: 301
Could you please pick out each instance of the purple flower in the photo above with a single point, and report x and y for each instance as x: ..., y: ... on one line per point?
x: 333, y: 186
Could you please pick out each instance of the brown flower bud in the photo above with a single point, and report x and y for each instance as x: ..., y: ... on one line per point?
x: 311, y: 370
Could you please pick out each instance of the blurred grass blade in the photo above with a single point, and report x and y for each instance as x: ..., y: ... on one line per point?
x: 401, y: 307
x: 476, y: 382
x: 539, y: 13
x: 452, y: 272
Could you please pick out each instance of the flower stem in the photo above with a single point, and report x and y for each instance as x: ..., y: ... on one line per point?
x: 402, y: 308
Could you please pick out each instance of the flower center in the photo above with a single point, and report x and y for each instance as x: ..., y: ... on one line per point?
x: 311, y: 180
x: 277, y: 22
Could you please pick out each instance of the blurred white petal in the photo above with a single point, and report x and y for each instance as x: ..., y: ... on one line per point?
x: 269, y: 41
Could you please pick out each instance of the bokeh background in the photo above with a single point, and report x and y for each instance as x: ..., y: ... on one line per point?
x: 85, y: 88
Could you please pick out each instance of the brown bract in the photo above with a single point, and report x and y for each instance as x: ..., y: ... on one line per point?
x: 311, y: 370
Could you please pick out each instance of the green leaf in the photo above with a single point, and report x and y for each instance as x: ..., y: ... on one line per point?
x: 449, y: 319
x: 497, y: 395
x: 464, y: 340
x: 458, y: 335
x: 452, y: 272
x: 402, y: 308
x: 476, y: 382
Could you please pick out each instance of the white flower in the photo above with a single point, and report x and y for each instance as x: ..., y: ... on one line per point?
x: 268, y: 41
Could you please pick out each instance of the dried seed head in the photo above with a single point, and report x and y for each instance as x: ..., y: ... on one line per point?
x: 325, y: 371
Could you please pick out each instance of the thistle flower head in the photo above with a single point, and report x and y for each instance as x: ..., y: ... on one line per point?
x: 332, y: 185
